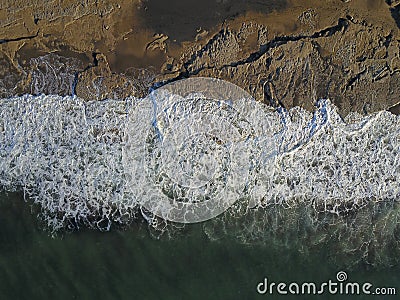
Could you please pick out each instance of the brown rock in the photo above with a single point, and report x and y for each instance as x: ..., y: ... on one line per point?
x: 285, y: 52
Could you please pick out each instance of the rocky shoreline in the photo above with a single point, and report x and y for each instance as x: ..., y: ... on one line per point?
x: 285, y: 53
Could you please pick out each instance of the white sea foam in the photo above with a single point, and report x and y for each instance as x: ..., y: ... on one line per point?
x: 66, y: 155
x: 100, y: 162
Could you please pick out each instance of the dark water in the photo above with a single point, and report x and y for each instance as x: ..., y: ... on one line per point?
x: 180, y: 19
x: 130, y: 264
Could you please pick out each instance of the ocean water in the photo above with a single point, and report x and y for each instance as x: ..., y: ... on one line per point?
x: 90, y: 189
x: 133, y: 264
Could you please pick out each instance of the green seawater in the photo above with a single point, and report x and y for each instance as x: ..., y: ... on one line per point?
x: 133, y: 264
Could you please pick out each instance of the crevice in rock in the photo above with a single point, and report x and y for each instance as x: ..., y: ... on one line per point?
x: 388, y: 40
x: 282, y: 40
x: 358, y: 22
x: 270, y: 96
x: 274, y: 43
x: 94, y: 63
x: 395, y: 12
x: 355, y: 78
x: 29, y: 37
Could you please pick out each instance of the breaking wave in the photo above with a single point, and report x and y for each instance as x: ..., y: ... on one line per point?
x: 282, y: 175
